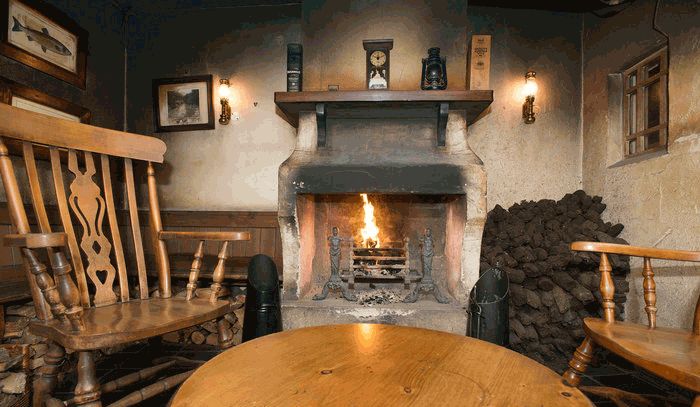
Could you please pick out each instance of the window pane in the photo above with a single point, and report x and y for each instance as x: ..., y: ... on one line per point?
x: 653, y: 68
x: 632, y: 114
x: 652, y: 140
x: 653, y: 97
x: 632, y: 147
x: 632, y: 80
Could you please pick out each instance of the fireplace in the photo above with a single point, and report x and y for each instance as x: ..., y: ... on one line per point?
x: 410, y: 161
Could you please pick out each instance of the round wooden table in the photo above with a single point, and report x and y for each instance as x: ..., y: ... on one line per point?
x: 373, y: 365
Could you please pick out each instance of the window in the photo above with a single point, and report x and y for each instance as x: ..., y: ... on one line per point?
x: 645, y: 105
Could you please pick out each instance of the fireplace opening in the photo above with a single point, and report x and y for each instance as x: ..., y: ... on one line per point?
x: 380, y: 245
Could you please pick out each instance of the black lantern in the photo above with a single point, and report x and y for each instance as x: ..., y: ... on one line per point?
x: 434, y: 75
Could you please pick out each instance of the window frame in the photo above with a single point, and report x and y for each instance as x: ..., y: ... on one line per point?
x: 642, y: 82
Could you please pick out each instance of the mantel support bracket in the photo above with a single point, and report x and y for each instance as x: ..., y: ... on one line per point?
x: 443, y: 111
x: 321, y: 124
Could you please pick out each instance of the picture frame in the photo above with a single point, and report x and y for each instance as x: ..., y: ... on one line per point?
x: 183, y: 104
x: 25, y: 97
x: 18, y: 95
x: 44, y: 38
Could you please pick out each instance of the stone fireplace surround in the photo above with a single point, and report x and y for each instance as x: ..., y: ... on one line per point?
x: 394, y: 154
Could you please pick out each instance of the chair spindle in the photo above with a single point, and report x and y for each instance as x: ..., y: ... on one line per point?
x: 135, y: 228
x: 649, y: 292
x: 194, y: 270
x: 114, y: 228
x: 607, y: 288
x: 218, y: 276
x: 67, y: 290
x: 162, y: 261
x: 46, y: 284
x: 38, y: 202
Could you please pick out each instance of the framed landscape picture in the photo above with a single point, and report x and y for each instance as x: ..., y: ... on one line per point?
x: 41, y: 36
x: 183, y: 104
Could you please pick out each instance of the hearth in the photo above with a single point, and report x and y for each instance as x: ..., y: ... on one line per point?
x: 427, y: 192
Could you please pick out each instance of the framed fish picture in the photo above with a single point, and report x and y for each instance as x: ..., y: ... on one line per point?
x: 43, y: 37
x: 183, y: 104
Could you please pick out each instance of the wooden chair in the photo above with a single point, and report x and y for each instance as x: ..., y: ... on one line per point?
x: 673, y: 354
x: 94, y: 313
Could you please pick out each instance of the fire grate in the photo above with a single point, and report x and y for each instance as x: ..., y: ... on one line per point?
x: 388, y: 264
x: 390, y: 261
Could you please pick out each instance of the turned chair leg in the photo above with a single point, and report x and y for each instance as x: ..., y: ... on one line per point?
x: 579, y: 363
x: 225, y: 334
x: 87, y: 391
x: 45, y: 381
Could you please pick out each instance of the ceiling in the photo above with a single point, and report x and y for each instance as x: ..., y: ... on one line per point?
x: 574, y: 6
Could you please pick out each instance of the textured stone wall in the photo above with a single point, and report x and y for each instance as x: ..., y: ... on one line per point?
x: 658, y: 197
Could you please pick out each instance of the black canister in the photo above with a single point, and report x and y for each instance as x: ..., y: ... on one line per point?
x: 263, y: 313
x: 488, y: 307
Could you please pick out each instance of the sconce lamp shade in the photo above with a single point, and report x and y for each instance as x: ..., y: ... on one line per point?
x: 530, y: 84
x: 224, y: 89
x: 530, y: 90
x: 224, y: 93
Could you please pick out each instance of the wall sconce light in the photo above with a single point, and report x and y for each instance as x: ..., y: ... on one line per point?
x: 530, y: 91
x: 224, y: 93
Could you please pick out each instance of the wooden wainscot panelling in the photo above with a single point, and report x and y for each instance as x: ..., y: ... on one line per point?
x: 262, y: 226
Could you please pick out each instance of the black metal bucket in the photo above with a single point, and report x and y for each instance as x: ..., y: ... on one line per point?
x: 263, y: 313
x: 488, y: 307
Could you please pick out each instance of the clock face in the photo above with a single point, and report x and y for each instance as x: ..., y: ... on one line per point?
x: 377, y: 58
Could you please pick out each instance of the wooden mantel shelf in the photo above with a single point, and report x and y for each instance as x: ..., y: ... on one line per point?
x: 379, y: 103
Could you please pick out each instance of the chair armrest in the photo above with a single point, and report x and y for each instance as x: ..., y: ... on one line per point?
x: 35, y: 240
x: 637, y: 251
x: 197, y: 235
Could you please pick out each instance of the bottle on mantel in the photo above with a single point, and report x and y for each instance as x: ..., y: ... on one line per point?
x: 294, y: 67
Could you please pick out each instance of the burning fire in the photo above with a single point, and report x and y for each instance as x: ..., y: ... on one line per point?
x: 370, y: 233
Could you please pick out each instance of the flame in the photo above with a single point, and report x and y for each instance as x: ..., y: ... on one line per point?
x: 370, y: 233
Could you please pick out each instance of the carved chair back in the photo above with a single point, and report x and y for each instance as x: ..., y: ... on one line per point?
x: 82, y: 163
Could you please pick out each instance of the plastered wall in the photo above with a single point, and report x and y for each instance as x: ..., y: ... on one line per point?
x: 234, y: 167
x: 657, y: 199
x: 543, y: 159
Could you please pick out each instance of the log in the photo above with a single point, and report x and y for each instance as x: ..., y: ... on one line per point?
x: 212, y: 339
x: 197, y: 337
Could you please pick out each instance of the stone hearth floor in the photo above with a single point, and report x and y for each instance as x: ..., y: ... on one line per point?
x: 615, y: 373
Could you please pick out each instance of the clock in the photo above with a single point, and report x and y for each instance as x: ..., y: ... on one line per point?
x: 377, y: 64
